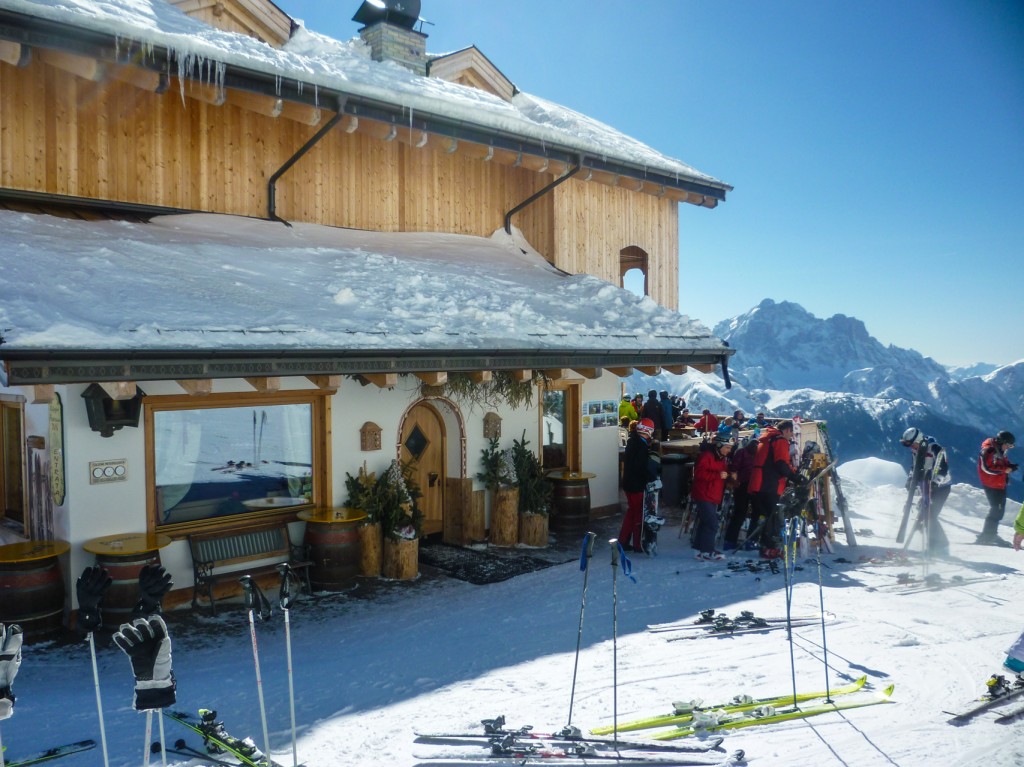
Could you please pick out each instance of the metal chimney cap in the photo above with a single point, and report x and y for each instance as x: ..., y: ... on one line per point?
x: 401, y: 13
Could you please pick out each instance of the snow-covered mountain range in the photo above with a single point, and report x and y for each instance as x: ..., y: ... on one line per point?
x: 789, y: 362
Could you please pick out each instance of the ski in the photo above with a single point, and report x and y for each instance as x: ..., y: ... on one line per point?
x: 1011, y: 715
x: 684, y: 711
x: 741, y: 628
x: 744, y: 617
x: 219, y: 741
x: 1000, y: 691
x: 181, y: 749
x: 529, y: 756
x: 52, y: 753
x: 919, y: 458
x: 769, y: 715
x: 526, y: 734
x: 938, y: 584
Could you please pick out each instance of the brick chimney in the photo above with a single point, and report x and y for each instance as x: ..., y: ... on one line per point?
x: 389, y: 42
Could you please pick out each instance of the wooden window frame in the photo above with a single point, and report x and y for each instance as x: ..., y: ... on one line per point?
x: 320, y: 405
x: 13, y: 407
x: 573, y: 425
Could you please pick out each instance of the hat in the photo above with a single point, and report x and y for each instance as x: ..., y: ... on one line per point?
x: 646, y: 427
x: 783, y: 425
x: 722, y: 440
x: 652, y: 394
x: 625, y: 397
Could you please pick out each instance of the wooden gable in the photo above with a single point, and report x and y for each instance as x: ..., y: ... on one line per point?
x: 256, y: 18
x: 471, y: 68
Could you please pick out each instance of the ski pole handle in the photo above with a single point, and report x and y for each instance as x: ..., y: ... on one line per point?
x: 587, y: 551
x: 613, y: 544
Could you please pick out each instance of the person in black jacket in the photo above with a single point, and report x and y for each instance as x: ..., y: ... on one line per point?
x: 637, y: 470
x: 652, y: 411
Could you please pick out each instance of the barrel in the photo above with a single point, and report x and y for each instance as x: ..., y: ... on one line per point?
x: 32, y: 588
x: 123, y: 594
x: 334, y: 551
x: 570, y: 505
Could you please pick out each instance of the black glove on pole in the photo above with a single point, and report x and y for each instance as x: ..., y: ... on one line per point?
x: 154, y: 583
x: 91, y: 585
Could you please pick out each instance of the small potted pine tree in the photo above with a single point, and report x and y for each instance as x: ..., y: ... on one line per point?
x: 498, y: 475
x: 534, y: 495
x: 401, y: 522
x: 362, y: 496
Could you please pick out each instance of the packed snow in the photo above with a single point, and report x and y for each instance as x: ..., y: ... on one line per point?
x: 440, y: 654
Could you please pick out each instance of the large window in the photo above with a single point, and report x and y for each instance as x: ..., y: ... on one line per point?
x: 560, y: 425
x: 12, y: 463
x: 224, y: 460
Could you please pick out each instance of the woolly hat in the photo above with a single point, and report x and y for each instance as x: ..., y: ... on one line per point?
x: 645, y: 428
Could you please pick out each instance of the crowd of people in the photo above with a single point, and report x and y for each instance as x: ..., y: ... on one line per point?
x: 756, y: 459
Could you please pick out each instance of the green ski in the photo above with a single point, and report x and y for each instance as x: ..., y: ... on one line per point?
x: 736, y: 704
x: 735, y: 721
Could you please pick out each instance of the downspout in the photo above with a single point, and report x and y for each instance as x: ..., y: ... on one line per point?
x: 540, y: 193
x: 725, y: 370
x: 314, y: 139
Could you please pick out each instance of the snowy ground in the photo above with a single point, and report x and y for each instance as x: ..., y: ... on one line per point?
x: 440, y: 654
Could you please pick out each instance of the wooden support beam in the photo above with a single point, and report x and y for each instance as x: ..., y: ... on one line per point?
x: 557, y: 374
x: 522, y: 375
x: 15, y: 54
x: 208, y: 94
x: 265, y: 384
x: 146, y: 79
x: 382, y: 380
x: 704, y: 368
x: 620, y: 372
x: 196, y: 386
x: 650, y: 370
x: 481, y: 376
x: 331, y: 382
x: 590, y: 373
x: 41, y: 393
x: 433, y: 379
x: 85, y: 67
x: 302, y: 113
x: 675, y: 369
x: 119, y: 389
x: 268, y: 106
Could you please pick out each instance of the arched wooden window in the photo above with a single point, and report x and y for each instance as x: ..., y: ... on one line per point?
x: 632, y: 257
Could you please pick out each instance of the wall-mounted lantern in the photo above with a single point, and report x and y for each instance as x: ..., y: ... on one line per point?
x: 369, y: 437
x: 106, y: 414
x: 492, y: 426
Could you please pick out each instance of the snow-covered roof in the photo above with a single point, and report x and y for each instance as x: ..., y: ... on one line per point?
x: 314, y: 63
x: 189, y: 285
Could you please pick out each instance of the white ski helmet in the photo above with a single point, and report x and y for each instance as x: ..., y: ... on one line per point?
x: 912, y: 436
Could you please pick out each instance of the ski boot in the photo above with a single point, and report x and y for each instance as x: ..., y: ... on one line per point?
x: 706, y: 616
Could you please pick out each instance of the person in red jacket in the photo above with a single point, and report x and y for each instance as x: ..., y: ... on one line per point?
x: 994, y: 472
x: 773, y: 467
x: 707, y: 422
x: 709, y: 476
x: 741, y: 463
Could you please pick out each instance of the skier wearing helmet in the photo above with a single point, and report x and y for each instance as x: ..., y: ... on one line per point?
x: 994, y: 471
x: 637, y: 470
x: 934, y: 482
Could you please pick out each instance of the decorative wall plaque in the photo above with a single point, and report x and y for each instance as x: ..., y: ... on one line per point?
x: 56, y: 438
x: 492, y: 426
x: 369, y: 436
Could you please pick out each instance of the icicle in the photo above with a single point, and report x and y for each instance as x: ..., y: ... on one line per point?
x: 298, y: 87
x: 277, y: 85
x: 316, y: 95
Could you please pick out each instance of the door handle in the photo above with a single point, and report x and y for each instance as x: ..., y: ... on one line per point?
x: 432, y: 478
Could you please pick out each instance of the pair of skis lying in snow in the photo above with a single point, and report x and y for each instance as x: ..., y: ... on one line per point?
x: 524, y: 745
x: 1000, y: 691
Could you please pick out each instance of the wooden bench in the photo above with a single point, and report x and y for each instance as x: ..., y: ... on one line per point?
x: 216, y: 556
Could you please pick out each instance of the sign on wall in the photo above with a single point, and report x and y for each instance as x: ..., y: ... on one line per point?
x: 108, y: 471
x: 598, y: 414
x: 56, y: 440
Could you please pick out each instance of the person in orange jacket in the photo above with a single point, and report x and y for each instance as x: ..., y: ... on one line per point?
x: 994, y: 472
x: 773, y: 467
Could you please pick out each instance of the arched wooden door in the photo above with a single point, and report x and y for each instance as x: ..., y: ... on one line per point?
x: 423, y: 443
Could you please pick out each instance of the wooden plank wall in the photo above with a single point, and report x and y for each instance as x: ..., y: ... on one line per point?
x: 597, y: 221
x: 110, y: 140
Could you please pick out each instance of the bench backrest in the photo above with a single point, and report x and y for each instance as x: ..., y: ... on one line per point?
x: 241, y: 546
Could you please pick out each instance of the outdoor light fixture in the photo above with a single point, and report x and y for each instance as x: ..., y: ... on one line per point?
x: 401, y: 13
x: 106, y: 414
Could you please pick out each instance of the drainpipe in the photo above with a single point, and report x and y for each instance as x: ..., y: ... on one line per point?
x: 272, y: 183
x: 537, y: 195
x: 725, y: 371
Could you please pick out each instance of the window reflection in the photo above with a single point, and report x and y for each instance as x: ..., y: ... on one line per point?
x: 553, y: 422
x: 218, y: 462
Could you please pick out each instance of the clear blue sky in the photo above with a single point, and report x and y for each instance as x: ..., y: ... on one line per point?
x: 876, y: 147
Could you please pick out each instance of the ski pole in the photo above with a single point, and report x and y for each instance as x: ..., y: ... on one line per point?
x: 163, y: 748
x: 824, y: 643
x: 789, y: 602
x: 2, y: 762
x: 285, y: 601
x: 614, y: 545
x: 251, y: 604
x: 585, y: 555
x: 99, y: 700
x: 149, y: 738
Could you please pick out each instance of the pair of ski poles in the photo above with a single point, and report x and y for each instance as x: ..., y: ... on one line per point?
x: 256, y: 603
x: 618, y: 559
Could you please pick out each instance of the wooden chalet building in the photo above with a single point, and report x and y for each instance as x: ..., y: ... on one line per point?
x: 144, y: 156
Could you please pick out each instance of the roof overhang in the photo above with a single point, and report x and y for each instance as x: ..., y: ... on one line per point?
x: 34, y: 31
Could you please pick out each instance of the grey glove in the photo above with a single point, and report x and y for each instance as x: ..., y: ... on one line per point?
x: 10, y: 661
x: 147, y: 645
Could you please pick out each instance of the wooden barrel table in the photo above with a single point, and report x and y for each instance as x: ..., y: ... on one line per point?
x: 570, y: 504
x: 123, y: 556
x: 332, y: 540
x: 32, y: 587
